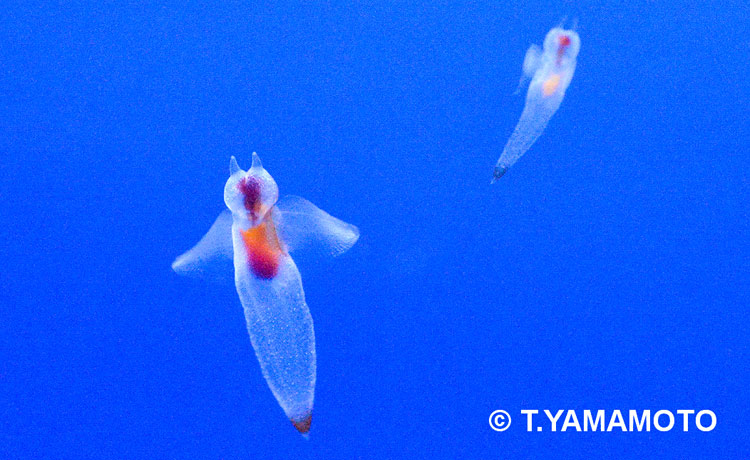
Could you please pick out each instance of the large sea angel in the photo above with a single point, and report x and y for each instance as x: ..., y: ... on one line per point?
x: 259, y: 233
x: 550, y: 70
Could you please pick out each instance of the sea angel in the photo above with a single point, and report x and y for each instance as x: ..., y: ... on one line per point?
x: 259, y: 232
x: 550, y: 70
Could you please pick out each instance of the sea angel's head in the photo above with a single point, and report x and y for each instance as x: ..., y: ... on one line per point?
x: 562, y: 43
x: 252, y: 193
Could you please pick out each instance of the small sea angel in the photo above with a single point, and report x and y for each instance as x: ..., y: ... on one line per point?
x: 258, y: 233
x: 550, y: 70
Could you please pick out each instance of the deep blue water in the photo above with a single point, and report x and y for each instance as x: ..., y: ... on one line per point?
x: 607, y: 270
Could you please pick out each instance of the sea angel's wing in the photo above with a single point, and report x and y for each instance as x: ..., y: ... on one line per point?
x: 279, y: 324
x: 212, y: 257
x: 531, y: 63
x: 301, y: 224
x: 532, y: 60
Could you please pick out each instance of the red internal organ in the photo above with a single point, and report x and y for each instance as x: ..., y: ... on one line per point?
x: 265, y: 265
x: 250, y: 189
x: 563, y: 42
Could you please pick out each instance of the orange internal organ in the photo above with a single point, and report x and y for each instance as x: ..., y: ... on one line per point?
x: 264, y: 252
x: 550, y: 85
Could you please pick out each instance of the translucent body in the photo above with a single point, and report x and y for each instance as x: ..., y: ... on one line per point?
x: 261, y: 232
x: 550, y: 70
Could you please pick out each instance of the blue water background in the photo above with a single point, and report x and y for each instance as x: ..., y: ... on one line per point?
x: 607, y: 270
